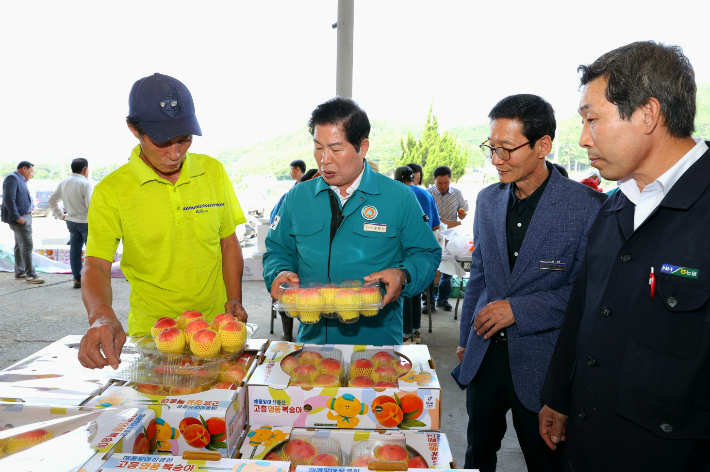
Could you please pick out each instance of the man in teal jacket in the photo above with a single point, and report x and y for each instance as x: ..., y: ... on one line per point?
x: 350, y: 224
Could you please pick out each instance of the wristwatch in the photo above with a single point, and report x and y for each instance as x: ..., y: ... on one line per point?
x: 407, y: 276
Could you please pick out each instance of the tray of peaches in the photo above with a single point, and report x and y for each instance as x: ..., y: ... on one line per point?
x: 325, y: 451
x: 157, y: 374
x: 325, y: 368
x: 190, y: 334
x: 346, y: 301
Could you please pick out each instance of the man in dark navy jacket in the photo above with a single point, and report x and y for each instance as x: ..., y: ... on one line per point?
x: 17, y: 212
x: 629, y: 382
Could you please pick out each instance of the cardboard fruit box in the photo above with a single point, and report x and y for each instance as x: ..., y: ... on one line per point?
x: 123, y: 462
x: 313, y: 447
x: 49, y: 438
x: 207, y: 420
x: 285, y: 390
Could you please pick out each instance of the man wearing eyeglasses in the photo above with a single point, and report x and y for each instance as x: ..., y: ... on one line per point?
x: 530, y: 237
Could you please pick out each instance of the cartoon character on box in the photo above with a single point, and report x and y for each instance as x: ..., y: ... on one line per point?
x: 257, y: 466
x: 163, y: 433
x: 264, y: 436
x: 345, y: 409
x: 421, y: 378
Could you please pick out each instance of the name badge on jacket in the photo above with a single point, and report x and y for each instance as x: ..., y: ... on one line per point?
x: 375, y: 227
x: 551, y: 265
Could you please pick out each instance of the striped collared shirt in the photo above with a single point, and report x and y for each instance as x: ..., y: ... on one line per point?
x: 448, y: 203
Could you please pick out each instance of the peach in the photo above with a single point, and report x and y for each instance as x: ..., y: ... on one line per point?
x: 151, y: 429
x: 149, y: 389
x: 206, y: 343
x: 216, y: 319
x: 272, y: 456
x: 325, y: 379
x: 308, y: 304
x: 289, y: 363
x: 362, y: 364
x: 386, y: 371
x: 196, y: 436
x: 233, y: 335
x: 141, y: 445
x: 403, y: 366
x: 325, y: 460
x: 381, y: 400
x: 382, y: 357
x: 331, y: 365
x: 412, y: 405
x: 362, y: 382
x: 362, y: 461
x: 224, y: 320
x: 391, y: 452
x: 304, y: 370
x: 310, y: 356
x: 235, y: 374
x: 390, y: 416
x: 187, y: 422
x: 417, y: 462
x: 226, y: 365
x: 162, y: 324
x: 27, y: 440
x: 193, y: 327
x: 190, y: 315
x: 225, y: 386
x: 171, y: 341
x: 245, y: 359
x: 216, y: 427
x: 383, y: 384
x: 299, y: 450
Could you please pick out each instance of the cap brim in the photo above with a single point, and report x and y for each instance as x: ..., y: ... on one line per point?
x: 161, y: 131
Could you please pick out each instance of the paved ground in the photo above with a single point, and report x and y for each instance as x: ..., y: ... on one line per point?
x: 33, y: 316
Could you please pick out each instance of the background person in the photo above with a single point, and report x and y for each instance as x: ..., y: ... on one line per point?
x: 75, y: 192
x: 175, y: 212
x: 17, y: 213
x: 417, y: 169
x: 627, y: 387
x: 329, y: 230
x: 411, y: 306
x: 298, y: 168
x: 512, y: 312
x: 451, y: 206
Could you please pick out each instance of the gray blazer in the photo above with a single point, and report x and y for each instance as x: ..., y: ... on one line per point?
x: 538, y: 297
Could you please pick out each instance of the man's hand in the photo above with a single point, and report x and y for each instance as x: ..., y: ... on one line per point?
x: 494, y: 317
x: 284, y: 277
x: 462, y: 213
x: 552, y: 426
x: 235, y: 308
x: 21, y: 220
x: 460, y: 352
x: 393, y: 279
x: 105, y: 334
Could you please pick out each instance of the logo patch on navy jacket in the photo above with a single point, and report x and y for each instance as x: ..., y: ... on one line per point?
x: 680, y: 271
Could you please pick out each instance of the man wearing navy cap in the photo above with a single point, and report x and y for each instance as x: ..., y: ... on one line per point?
x: 175, y: 213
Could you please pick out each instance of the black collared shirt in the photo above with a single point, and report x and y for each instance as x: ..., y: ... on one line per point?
x: 520, y: 213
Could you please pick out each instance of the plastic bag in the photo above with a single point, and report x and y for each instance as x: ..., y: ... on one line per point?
x: 459, y: 243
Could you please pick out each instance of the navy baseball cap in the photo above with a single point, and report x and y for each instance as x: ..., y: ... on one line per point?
x: 164, y: 108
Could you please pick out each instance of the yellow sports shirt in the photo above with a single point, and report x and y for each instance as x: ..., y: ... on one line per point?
x: 171, y: 236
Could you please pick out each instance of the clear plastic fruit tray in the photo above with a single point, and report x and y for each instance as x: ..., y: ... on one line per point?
x: 143, y: 363
x: 346, y: 301
x: 146, y: 345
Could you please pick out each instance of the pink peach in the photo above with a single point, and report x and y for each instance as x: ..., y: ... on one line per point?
x: 362, y: 382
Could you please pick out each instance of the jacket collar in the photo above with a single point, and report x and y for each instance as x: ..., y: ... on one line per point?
x: 143, y: 173
x: 368, y: 184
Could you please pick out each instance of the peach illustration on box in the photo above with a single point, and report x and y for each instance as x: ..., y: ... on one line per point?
x: 201, y: 434
x: 421, y: 378
x: 113, y: 399
x: 147, y: 441
x: 345, y: 409
x: 400, y: 412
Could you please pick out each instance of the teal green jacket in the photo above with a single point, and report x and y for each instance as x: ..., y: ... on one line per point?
x: 299, y: 241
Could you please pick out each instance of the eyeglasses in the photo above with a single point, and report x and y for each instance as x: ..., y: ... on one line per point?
x: 502, y: 152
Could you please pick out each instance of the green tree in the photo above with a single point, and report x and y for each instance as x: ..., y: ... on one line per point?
x: 434, y: 150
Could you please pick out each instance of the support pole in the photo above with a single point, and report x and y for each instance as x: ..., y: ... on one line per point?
x: 344, y: 68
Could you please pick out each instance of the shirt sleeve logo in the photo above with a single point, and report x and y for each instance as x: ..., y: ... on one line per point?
x: 369, y: 212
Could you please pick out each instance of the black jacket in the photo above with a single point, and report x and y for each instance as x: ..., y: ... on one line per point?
x: 16, y: 200
x: 632, y: 371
